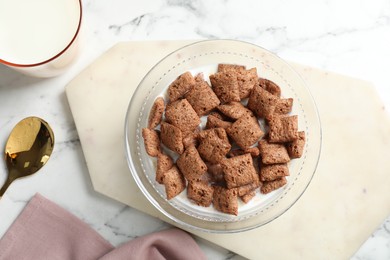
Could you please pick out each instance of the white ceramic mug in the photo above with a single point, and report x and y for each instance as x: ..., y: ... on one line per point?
x: 39, y: 37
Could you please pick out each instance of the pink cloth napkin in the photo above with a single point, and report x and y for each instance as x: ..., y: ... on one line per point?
x: 46, y: 231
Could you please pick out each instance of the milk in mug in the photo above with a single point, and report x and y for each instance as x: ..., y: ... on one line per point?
x: 38, y: 35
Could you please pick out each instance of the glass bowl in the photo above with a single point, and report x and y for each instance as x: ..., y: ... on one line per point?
x: 204, y: 56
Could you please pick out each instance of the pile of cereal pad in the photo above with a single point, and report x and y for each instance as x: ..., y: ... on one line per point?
x: 232, y: 156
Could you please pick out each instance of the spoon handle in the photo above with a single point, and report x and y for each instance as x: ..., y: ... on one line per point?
x: 5, y: 187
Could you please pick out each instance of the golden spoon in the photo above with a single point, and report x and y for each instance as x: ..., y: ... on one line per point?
x: 28, y: 148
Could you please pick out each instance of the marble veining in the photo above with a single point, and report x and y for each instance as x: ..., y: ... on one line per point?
x: 349, y: 37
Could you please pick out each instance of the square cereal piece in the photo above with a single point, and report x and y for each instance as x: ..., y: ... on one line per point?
x: 215, y: 122
x: 226, y: 67
x: 253, y: 151
x: 164, y: 163
x: 248, y: 196
x: 295, y: 148
x: 172, y: 137
x: 156, y: 113
x: 202, y: 98
x: 247, y: 80
x: 273, y: 172
x: 284, y: 106
x: 225, y: 200
x: 239, y: 171
x: 201, y: 193
x: 225, y: 86
x: 283, y: 128
x: 270, y: 86
x: 180, y: 86
x: 269, y: 186
x: 261, y: 102
x: 151, y: 141
x: 181, y: 114
x: 213, y: 144
x: 234, y: 110
x: 245, y: 131
x: 273, y: 153
x: 174, y: 182
x: 191, y: 165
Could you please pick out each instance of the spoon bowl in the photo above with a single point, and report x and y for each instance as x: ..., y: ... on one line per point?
x: 28, y: 149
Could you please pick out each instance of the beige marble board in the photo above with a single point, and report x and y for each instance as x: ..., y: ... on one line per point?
x: 342, y: 206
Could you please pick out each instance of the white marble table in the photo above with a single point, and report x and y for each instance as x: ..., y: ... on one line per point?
x: 348, y: 37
